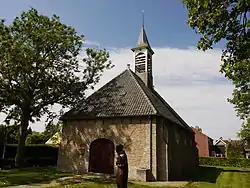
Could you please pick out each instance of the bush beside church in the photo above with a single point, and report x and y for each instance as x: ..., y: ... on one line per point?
x: 35, y: 155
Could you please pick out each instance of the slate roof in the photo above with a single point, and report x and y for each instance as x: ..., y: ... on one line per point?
x: 125, y: 95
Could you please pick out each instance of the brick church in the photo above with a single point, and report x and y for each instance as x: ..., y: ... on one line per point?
x: 129, y: 111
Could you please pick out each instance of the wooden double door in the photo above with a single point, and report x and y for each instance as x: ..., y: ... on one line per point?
x: 101, y: 158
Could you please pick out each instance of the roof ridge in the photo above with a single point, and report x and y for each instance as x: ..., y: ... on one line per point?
x: 170, y: 108
x: 185, y: 125
x: 143, y: 92
x: 162, y: 100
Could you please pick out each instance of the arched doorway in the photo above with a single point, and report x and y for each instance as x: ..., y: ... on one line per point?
x: 101, y: 158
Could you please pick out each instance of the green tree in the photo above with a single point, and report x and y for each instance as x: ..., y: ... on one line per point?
x: 235, y: 149
x: 36, y: 138
x: 40, y: 66
x: 244, y: 132
x: 41, y: 137
x: 9, y: 134
x: 226, y: 20
x: 52, y: 129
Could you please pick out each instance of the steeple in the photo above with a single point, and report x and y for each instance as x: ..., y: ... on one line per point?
x: 143, y: 41
x: 143, y: 58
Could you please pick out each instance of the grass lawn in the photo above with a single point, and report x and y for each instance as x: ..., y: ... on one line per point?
x: 209, y: 177
x: 16, y: 177
x: 222, y: 177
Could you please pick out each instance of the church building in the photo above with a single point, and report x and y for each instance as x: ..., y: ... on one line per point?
x: 160, y: 146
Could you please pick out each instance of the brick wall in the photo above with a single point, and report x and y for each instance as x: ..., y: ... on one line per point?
x: 133, y: 133
x: 202, y: 143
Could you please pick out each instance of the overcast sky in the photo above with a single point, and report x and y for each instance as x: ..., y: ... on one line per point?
x: 188, y: 79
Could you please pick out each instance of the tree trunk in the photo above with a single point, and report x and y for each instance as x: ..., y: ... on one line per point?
x: 19, y: 160
x: 4, y: 141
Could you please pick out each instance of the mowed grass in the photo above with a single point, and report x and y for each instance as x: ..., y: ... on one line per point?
x: 16, y: 177
x: 222, y: 177
x: 209, y: 177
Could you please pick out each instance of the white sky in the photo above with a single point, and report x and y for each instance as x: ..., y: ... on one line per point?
x: 189, y: 80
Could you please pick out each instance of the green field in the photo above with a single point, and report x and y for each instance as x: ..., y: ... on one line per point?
x: 209, y: 177
x: 222, y: 177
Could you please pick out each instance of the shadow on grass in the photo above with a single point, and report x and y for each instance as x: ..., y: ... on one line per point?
x: 208, y: 174
x: 235, y: 170
x: 15, y: 177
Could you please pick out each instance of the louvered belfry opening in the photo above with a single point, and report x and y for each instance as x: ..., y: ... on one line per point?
x: 143, y: 59
x: 140, y: 63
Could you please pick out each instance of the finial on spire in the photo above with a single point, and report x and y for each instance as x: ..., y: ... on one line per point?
x: 142, y: 18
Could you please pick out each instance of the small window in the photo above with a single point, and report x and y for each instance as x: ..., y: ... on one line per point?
x: 165, y: 134
x: 185, y: 141
x: 177, y: 138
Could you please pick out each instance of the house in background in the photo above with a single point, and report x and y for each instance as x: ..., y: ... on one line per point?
x: 129, y: 111
x: 204, y: 143
x: 219, y: 148
x: 55, y: 139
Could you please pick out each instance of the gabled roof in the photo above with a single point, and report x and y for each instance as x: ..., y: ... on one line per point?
x: 125, y: 95
x: 200, y: 132
x: 220, y: 141
x: 143, y: 41
x: 55, y: 139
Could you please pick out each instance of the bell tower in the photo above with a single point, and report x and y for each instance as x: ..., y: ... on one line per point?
x: 143, y: 58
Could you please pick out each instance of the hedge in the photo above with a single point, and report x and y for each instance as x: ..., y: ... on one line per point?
x: 36, y: 154
x: 230, y: 162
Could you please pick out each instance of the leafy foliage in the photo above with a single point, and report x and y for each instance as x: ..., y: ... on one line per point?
x: 245, y: 132
x: 226, y: 20
x: 10, y: 134
x: 42, y: 137
x: 36, y: 138
x: 230, y: 162
x: 235, y: 149
x: 40, y: 66
x: 52, y: 129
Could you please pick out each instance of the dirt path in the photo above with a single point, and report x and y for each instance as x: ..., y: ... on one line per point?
x: 80, y: 179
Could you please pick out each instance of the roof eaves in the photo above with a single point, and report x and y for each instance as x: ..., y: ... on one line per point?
x: 217, y: 141
x: 184, y: 124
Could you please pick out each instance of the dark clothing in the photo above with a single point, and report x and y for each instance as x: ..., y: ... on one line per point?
x: 122, y: 170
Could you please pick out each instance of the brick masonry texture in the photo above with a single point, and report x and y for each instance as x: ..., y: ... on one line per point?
x: 156, y: 144
x: 203, y: 143
x: 133, y: 133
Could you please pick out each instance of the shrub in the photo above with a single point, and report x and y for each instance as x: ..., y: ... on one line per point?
x: 36, y: 154
x: 230, y: 162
